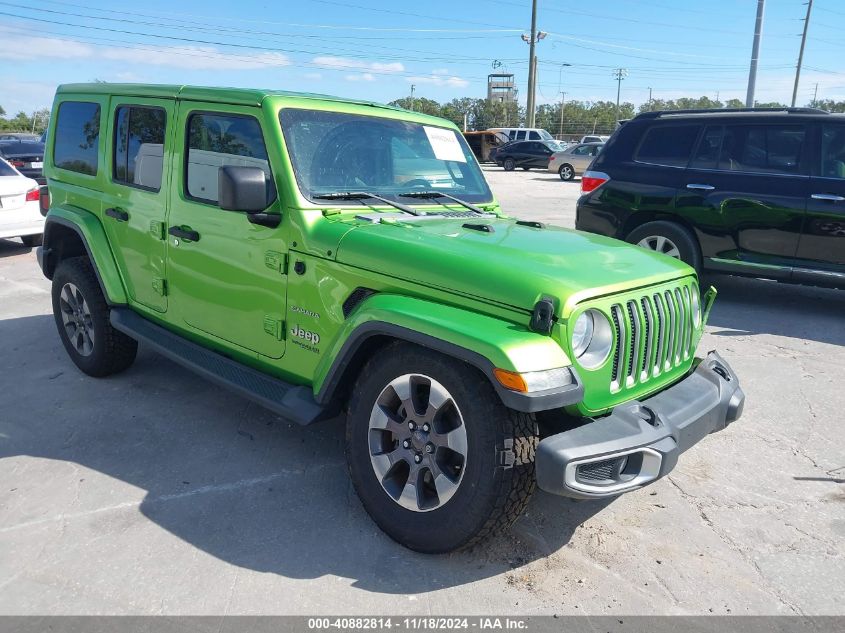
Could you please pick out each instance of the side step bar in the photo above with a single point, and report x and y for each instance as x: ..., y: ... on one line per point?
x: 294, y: 402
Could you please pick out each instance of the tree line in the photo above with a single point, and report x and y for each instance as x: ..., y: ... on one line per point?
x: 23, y: 122
x: 579, y: 117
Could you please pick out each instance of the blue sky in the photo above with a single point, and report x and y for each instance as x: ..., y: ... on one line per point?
x: 377, y: 49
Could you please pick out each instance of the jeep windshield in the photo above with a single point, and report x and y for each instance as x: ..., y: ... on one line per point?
x: 336, y: 152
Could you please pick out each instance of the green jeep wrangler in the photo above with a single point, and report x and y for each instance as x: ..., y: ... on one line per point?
x: 324, y: 256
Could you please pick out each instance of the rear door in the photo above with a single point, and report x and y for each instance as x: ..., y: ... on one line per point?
x: 135, y: 202
x: 745, y: 192
x: 822, y: 243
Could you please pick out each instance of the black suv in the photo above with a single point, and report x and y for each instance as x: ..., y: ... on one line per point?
x: 526, y: 154
x: 748, y: 191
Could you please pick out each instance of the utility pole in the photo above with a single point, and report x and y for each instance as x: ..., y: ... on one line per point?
x: 562, y: 99
x: 619, y: 74
x: 649, y: 98
x: 816, y: 95
x: 412, y: 97
x: 529, y: 114
x: 801, y: 52
x: 755, y: 53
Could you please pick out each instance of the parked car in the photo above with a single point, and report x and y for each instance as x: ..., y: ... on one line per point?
x: 574, y: 160
x: 18, y: 136
x: 20, y: 214
x: 268, y: 241
x: 25, y: 156
x: 526, y: 154
x: 749, y: 192
x: 507, y: 134
x: 594, y: 138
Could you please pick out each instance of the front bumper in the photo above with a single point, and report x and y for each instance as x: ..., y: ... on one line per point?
x: 639, y: 442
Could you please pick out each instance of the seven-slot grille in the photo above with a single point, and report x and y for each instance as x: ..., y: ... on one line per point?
x: 654, y: 334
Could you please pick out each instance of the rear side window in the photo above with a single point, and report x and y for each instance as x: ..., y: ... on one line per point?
x: 668, y: 145
x: 6, y: 169
x: 534, y: 136
x: 520, y: 136
x: 833, y: 151
x: 217, y: 140
x: 772, y: 149
x: 138, y: 146
x: 77, y: 137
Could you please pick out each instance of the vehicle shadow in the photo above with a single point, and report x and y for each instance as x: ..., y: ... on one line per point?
x: 747, y: 306
x: 230, y: 478
x: 10, y: 247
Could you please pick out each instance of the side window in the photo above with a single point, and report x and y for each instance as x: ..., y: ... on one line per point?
x: 77, y: 137
x: 581, y: 150
x: 669, y: 145
x: 707, y: 154
x: 833, y: 151
x: 218, y: 140
x: 511, y: 135
x: 534, y: 136
x: 774, y: 149
x: 520, y: 136
x: 139, y: 146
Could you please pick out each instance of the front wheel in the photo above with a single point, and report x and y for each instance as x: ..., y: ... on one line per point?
x: 566, y: 172
x: 509, y: 164
x: 436, y: 459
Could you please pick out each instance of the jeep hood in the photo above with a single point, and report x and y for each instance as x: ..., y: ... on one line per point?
x: 513, y: 265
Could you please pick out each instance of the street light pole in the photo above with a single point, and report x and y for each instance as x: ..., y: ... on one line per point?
x: 562, y: 99
x: 801, y: 52
x: 529, y: 114
x: 755, y: 53
x: 412, y: 97
x: 562, y: 94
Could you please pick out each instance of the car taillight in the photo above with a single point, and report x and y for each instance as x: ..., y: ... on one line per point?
x: 592, y: 180
x: 553, y: 157
x: 16, y: 163
x: 33, y: 196
x: 43, y: 200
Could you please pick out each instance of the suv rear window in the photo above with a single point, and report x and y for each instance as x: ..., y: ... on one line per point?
x: 668, y: 145
x: 138, y: 146
x: 77, y: 137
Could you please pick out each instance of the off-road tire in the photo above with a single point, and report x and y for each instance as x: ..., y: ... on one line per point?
x: 498, y: 478
x: 563, y: 169
x: 690, y: 253
x: 509, y: 164
x: 33, y: 240
x: 113, y: 351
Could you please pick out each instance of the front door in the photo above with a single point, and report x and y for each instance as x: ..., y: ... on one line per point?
x: 822, y: 244
x: 225, y: 274
x: 745, y: 190
x: 135, y: 204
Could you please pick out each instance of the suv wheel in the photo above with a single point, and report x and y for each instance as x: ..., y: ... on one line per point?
x: 669, y: 239
x: 425, y: 438
x: 566, y: 172
x: 509, y: 164
x: 82, y: 317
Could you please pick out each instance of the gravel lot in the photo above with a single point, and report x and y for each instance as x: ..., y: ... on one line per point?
x: 156, y: 492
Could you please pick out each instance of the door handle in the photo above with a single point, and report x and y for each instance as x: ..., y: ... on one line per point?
x: 117, y: 214
x: 185, y: 234
x: 827, y: 196
x: 700, y: 187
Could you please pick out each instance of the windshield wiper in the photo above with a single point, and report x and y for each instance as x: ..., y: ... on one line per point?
x: 431, y: 195
x: 363, y: 195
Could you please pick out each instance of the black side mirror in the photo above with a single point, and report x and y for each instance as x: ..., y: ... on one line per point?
x: 242, y: 189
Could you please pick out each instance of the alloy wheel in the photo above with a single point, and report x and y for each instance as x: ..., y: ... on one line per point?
x: 417, y: 442
x: 76, y: 319
x: 660, y: 244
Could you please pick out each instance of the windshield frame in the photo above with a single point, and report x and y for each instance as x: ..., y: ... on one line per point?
x: 485, y: 197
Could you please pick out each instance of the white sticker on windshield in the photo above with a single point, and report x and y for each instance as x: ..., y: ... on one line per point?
x: 445, y: 144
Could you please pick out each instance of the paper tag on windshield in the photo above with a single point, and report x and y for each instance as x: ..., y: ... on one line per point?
x: 445, y: 144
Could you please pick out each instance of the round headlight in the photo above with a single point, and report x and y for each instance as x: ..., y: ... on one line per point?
x: 592, y: 338
x: 696, y: 306
x: 582, y: 333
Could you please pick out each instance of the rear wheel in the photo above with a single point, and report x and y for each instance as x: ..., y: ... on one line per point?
x: 82, y: 318
x: 669, y: 239
x: 429, y: 446
x: 33, y: 240
x: 566, y: 172
x: 509, y: 164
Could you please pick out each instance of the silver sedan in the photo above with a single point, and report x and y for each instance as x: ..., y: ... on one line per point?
x: 574, y: 160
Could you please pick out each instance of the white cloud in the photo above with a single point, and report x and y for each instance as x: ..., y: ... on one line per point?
x: 344, y: 63
x: 361, y: 77
x: 440, y: 71
x: 436, y: 79
x: 17, y: 47
x: 313, y: 76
